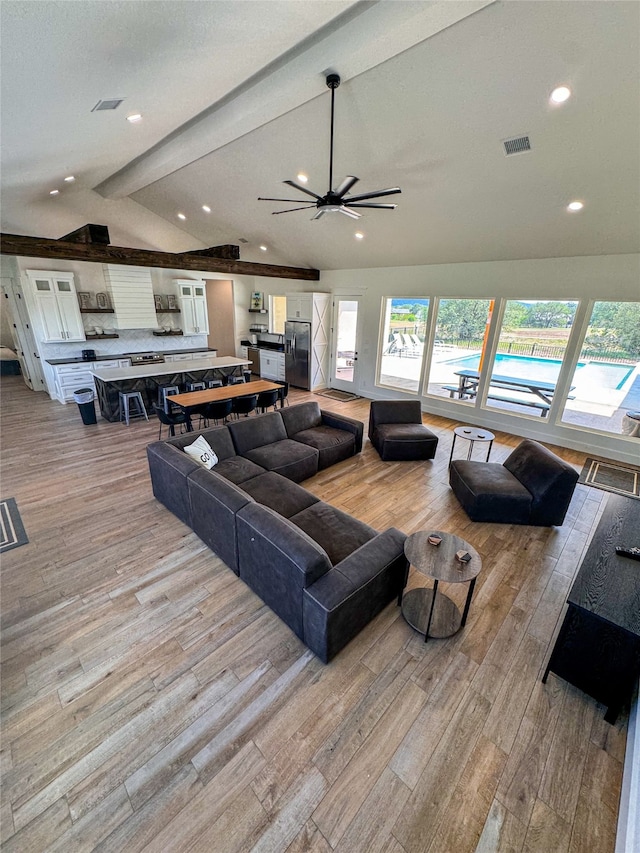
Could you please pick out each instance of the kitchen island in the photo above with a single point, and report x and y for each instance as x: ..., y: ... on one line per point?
x: 147, y: 378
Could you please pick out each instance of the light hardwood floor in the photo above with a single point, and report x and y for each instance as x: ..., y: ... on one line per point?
x: 152, y: 702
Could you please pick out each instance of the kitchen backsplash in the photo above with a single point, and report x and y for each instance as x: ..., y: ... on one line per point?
x: 128, y: 341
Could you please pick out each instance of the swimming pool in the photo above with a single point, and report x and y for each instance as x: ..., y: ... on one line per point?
x: 606, y: 375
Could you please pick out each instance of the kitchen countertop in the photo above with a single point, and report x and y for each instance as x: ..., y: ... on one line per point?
x: 140, y: 371
x: 267, y: 345
x: 80, y: 360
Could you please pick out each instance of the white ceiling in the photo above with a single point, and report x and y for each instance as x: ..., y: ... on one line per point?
x: 234, y: 102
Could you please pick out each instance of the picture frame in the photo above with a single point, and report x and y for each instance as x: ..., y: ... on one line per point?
x: 172, y: 302
x: 257, y: 301
x: 159, y: 301
x: 102, y: 300
x: 84, y: 297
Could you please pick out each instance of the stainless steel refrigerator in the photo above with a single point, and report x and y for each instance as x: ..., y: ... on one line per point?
x: 297, y: 354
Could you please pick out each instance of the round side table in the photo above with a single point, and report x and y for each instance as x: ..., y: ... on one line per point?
x: 472, y: 434
x: 429, y: 613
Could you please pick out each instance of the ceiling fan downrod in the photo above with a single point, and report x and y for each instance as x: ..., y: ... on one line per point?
x: 333, y: 81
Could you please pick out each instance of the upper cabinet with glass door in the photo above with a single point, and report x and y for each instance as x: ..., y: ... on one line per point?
x: 193, y: 305
x: 57, y: 306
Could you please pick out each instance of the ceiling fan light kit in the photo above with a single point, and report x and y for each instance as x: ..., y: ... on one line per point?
x: 335, y: 200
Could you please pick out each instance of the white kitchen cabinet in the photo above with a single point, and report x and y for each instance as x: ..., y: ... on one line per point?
x: 272, y: 365
x: 179, y: 356
x: 192, y: 296
x: 71, y: 377
x: 57, y: 306
x: 196, y: 356
x: 74, y: 376
x: 300, y: 306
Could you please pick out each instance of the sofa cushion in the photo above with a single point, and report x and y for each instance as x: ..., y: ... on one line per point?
x: 292, y: 459
x: 489, y: 492
x: 258, y: 431
x: 301, y: 416
x: 280, y: 494
x: 218, y: 439
x: 278, y: 560
x: 333, y: 445
x: 237, y: 469
x: 214, y: 503
x: 404, y: 441
x: 337, y: 532
x: 169, y: 468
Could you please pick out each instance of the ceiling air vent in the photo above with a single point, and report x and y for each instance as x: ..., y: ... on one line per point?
x: 517, y: 145
x: 107, y: 104
x: 242, y: 240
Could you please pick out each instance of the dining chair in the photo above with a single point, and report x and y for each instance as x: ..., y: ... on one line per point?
x: 169, y: 420
x: 267, y: 399
x: 244, y: 405
x: 218, y: 411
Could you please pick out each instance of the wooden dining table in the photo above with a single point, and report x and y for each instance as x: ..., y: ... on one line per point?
x: 191, y: 400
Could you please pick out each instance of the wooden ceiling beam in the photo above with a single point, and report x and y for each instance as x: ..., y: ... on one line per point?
x: 60, y: 250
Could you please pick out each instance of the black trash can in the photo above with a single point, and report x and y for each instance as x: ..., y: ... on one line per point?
x: 84, y: 398
x: 247, y: 375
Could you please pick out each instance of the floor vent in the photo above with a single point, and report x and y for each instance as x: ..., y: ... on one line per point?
x: 107, y: 104
x: 518, y: 145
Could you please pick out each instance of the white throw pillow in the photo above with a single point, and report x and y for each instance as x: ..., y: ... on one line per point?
x: 202, y: 452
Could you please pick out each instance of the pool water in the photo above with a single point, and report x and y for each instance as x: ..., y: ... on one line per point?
x: 605, y: 376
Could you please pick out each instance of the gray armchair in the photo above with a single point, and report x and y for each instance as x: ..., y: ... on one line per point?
x: 397, y: 432
x: 533, y: 486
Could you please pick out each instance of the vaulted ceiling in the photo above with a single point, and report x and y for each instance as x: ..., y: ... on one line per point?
x: 234, y: 101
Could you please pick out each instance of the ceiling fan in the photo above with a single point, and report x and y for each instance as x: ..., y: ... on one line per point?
x: 336, y: 201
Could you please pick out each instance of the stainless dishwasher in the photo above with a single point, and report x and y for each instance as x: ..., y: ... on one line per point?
x: 253, y: 354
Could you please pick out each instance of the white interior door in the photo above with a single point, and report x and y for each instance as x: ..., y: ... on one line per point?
x: 344, y: 352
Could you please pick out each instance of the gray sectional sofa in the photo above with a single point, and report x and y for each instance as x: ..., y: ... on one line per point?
x: 325, y: 573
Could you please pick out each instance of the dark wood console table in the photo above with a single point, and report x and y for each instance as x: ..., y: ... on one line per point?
x: 598, y: 647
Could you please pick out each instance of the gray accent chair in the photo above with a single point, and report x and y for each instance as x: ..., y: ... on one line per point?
x: 532, y: 486
x: 397, y: 432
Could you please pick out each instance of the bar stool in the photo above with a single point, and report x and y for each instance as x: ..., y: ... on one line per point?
x: 163, y: 390
x: 126, y: 400
x: 196, y: 386
x: 236, y: 380
x: 214, y: 383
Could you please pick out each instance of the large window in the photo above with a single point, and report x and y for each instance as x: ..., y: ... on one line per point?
x: 460, y: 333
x: 606, y: 381
x: 531, y: 348
x: 403, y: 334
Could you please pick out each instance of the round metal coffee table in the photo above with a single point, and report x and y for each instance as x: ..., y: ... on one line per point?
x: 432, y: 614
x: 472, y: 434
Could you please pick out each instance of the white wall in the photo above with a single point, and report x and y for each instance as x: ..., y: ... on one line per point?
x: 608, y: 277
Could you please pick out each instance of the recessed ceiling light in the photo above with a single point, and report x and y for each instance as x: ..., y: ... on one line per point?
x: 575, y: 205
x: 54, y: 192
x: 70, y: 179
x: 359, y: 235
x: 302, y: 178
x: 134, y: 118
x: 561, y: 94
x: 206, y: 208
x: 181, y: 216
x: 263, y: 248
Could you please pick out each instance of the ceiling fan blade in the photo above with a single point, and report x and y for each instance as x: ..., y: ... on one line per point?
x: 367, y: 204
x: 346, y: 185
x: 375, y: 194
x: 261, y: 198
x: 302, y: 189
x: 291, y: 209
x: 321, y: 212
x: 348, y: 212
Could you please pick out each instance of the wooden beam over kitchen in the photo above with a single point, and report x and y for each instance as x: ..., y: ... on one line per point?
x: 88, y: 234
x: 59, y: 250
x: 229, y: 252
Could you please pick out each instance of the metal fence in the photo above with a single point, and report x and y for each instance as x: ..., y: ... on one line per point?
x: 531, y: 350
